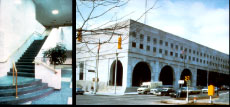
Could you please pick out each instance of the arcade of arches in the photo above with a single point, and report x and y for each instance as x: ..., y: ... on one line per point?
x: 166, y: 75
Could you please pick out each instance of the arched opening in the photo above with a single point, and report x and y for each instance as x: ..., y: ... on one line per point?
x: 141, y: 73
x: 185, y: 72
x: 166, y: 75
x: 119, y: 75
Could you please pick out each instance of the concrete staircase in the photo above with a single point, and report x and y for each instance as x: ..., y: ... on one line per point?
x: 24, y: 66
x: 27, y: 91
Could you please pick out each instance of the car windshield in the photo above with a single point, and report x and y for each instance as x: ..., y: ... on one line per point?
x: 144, y: 86
x: 164, y: 89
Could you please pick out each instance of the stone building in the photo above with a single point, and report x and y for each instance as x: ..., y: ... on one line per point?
x: 147, y: 54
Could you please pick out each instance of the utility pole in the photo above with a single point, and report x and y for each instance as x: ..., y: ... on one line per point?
x: 96, y: 73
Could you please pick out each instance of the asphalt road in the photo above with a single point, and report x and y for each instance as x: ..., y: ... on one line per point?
x: 120, y: 100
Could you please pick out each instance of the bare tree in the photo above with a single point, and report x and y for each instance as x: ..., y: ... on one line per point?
x: 90, y: 13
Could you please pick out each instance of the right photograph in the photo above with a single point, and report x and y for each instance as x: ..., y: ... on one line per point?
x: 152, y: 52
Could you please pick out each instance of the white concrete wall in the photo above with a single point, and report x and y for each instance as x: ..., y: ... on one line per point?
x: 47, y: 75
x: 17, y: 24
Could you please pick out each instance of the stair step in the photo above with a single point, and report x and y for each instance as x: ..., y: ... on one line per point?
x: 26, y: 97
x: 21, y: 85
x: 24, y: 74
x: 26, y: 60
x: 24, y: 63
x: 24, y: 70
x: 23, y: 90
x: 25, y: 66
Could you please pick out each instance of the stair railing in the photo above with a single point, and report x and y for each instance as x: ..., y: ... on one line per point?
x: 16, y: 77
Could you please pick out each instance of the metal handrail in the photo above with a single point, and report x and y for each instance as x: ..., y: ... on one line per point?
x: 16, y: 85
x: 35, y: 32
x: 44, y: 64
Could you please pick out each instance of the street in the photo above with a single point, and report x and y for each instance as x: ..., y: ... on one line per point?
x: 120, y: 100
x: 135, y: 99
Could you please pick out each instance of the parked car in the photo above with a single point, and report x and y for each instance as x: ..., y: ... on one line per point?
x: 224, y: 87
x: 182, y: 92
x: 164, y: 91
x: 205, y: 89
x: 79, y: 91
x: 154, y: 90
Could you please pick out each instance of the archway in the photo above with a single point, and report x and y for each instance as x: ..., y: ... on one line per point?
x: 166, y: 75
x: 119, y: 75
x: 185, y: 72
x: 141, y: 73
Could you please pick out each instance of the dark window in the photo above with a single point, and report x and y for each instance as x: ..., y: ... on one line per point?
x: 166, y: 52
x: 155, y: 41
x: 181, y: 48
x: 160, y: 50
x: 197, y: 59
x: 176, y: 55
x: 171, y: 45
x: 200, y: 60
x: 141, y: 46
x: 154, y: 49
x: 134, y: 44
x: 193, y: 58
x: 161, y: 42
x: 134, y: 34
x: 194, y: 51
x: 197, y: 53
x: 166, y: 43
x: 176, y: 47
x: 148, y: 38
x: 189, y: 58
x: 81, y: 76
x: 171, y: 53
x: 200, y: 54
x: 148, y: 48
x: 81, y: 71
x: 204, y: 55
x: 141, y: 37
x: 190, y: 50
x: 185, y: 49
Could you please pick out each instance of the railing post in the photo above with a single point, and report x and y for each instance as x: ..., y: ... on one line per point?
x: 13, y: 74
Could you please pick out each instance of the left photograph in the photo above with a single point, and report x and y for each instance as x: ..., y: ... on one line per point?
x: 35, y: 52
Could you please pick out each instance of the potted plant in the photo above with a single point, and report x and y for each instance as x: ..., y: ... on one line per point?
x: 57, y: 55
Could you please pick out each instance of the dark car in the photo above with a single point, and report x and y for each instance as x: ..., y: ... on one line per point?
x: 164, y: 91
x: 79, y: 91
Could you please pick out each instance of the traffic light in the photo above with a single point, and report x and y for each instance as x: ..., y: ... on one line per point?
x: 119, y: 42
x: 187, y: 78
x: 79, y: 35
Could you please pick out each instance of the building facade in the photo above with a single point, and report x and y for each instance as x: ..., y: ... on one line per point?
x: 147, y: 54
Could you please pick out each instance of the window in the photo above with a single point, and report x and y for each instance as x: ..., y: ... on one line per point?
x: 171, y: 53
x: 200, y: 60
x: 134, y: 44
x: 166, y: 43
x: 141, y: 46
x: 161, y: 42
x: 176, y: 47
x: 193, y: 58
x: 200, y: 54
x: 133, y: 34
x: 197, y: 53
x: 154, y: 41
x: 160, y: 50
x: 197, y: 59
x: 176, y: 55
x: 171, y: 45
x: 189, y: 58
x: 190, y: 50
x: 148, y: 48
x: 181, y: 48
x: 154, y: 49
x: 194, y: 52
x: 141, y: 37
x: 204, y: 55
x: 148, y: 38
x: 185, y: 49
x: 166, y: 52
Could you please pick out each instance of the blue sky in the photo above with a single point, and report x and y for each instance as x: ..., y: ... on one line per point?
x: 203, y: 21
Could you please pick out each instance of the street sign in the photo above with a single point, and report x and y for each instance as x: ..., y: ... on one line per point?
x: 181, y: 82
